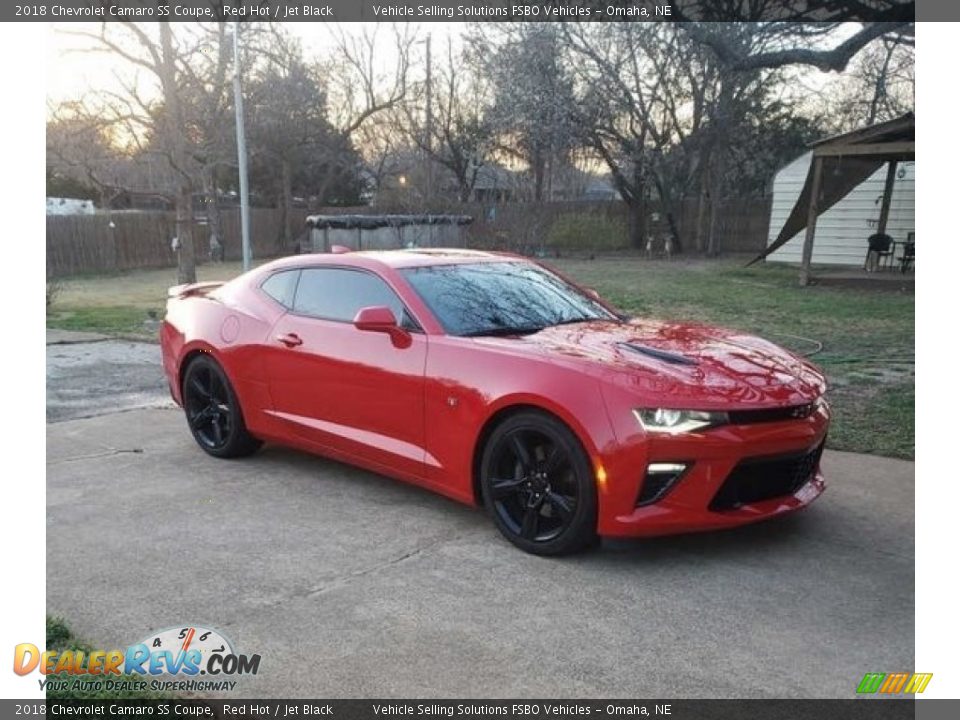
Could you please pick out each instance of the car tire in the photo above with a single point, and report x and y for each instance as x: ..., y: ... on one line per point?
x: 538, y: 485
x: 213, y: 411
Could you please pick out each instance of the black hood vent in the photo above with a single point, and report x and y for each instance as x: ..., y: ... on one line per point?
x: 663, y: 355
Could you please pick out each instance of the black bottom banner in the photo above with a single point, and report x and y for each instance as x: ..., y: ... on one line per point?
x: 881, y: 709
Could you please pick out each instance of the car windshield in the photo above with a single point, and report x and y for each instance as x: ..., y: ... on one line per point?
x: 501, y: 298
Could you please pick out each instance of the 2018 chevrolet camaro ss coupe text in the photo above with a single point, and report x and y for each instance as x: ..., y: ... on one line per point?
x: 492, y: 380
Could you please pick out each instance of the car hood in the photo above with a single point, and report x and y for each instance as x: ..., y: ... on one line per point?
x: 682, y: 364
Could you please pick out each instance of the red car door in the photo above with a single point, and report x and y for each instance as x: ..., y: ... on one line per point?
x: 346, y: 389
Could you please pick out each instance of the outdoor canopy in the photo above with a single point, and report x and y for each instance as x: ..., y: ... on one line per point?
x: 372, y: 222
x: 838, y: 165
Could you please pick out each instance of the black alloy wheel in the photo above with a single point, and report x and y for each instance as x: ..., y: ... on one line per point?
x: 213, y: 412
x: 538, y: 485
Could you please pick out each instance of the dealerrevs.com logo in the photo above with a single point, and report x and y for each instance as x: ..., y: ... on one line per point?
x: 172, y: 660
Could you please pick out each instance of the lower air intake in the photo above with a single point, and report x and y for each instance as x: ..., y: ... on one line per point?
x: 757, y: 479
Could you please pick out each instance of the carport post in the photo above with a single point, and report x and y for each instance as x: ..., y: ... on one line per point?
x: 811, y: 221
x: 887, y: 194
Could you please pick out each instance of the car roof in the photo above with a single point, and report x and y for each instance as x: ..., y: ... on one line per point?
x: 415, y: 257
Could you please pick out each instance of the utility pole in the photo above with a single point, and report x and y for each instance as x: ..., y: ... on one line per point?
x: 429, y: 124
x: 241, y: 152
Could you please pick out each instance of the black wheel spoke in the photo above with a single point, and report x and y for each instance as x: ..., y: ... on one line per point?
x: 561, y: 504
x: 217, y: 390
x: 554, y: 460
x: 202, y: 417
x: 500, y: 488
x: 199, y: 388
x: 522, y: 453
x: 217, y: 431
x: 531, y: 519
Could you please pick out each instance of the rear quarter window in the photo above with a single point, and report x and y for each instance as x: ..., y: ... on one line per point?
x: 282, y: 286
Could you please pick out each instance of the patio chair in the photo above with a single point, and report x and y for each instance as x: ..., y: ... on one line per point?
x: 909, y: 250
x: 880, y: 245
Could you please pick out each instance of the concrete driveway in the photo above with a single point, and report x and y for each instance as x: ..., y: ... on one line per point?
x: 90, y: 374
x: 352, y: 585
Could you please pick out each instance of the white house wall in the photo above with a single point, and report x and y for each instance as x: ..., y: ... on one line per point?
x: 842, y: 231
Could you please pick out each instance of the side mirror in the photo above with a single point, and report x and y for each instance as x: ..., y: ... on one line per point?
x: 379, y: 318
x: 592, y: 293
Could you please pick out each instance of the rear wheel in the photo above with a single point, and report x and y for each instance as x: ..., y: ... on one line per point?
x: 213, y: 412
x: 538, y: 485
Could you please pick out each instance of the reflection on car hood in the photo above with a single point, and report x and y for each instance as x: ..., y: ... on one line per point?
x: 708, y: 366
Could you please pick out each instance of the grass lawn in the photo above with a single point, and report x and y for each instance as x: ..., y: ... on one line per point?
x: 61, y: 639
x: 122, y: 304
x: 867, y: 335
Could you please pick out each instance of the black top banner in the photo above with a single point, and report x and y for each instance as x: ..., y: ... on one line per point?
x: 481, y: 10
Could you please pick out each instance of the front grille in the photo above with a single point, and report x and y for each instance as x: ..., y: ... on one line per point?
x: 749, y: 417
x: 766, y: 478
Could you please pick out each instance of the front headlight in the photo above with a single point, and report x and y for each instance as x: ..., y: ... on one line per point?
x: 678, y: 421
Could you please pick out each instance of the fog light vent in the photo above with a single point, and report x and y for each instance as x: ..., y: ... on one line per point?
x: 659, y: 479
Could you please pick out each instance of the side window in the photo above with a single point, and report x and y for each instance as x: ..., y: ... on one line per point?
x: 338, y: 294
x: 281, y: 286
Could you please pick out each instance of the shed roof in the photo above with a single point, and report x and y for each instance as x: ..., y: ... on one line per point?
x: 372, y: 222
x: 890, y: 140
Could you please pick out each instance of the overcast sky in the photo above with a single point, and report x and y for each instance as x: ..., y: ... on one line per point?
x: 69, y: 72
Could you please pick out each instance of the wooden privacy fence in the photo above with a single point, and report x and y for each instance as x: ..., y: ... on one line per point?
x: 130, y: 240
x: 741, y: 224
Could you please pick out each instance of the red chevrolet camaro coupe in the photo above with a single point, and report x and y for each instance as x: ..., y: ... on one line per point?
x: 493, y: 380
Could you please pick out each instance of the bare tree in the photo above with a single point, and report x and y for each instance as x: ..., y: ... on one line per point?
x: 384, y: 149
x: 645, y: 95
x: 169, y: 111
x: 288, y: 127
x: 80, y: 153
x: 880, y: 85
x: 358, y: 84
x: 531, y: 112
x: 778, y: 44
x: 460, y: 135
x: 366, y: 96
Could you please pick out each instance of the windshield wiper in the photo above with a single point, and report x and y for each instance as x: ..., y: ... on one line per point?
x: 573, y: 321
x: 504, y: 330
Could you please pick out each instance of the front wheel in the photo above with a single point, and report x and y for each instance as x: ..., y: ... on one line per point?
x: 538, y: 485
x: 213, y: 411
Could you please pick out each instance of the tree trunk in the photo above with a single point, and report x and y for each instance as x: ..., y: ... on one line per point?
x: 674, y: 231
x: 539, y: 168
x: 667, y: 206
x: 701, y: 206
x: 713, y: 243
x: 186, y: 254
x: 637, y: 223
x: 176, y: 141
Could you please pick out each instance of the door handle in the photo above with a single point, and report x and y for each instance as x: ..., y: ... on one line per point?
x: 290, y: 340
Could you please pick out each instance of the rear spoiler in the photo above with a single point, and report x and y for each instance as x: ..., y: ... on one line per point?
x: 192, y: 289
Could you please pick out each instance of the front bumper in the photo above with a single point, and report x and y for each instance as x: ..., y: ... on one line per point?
x: 695, y: 503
